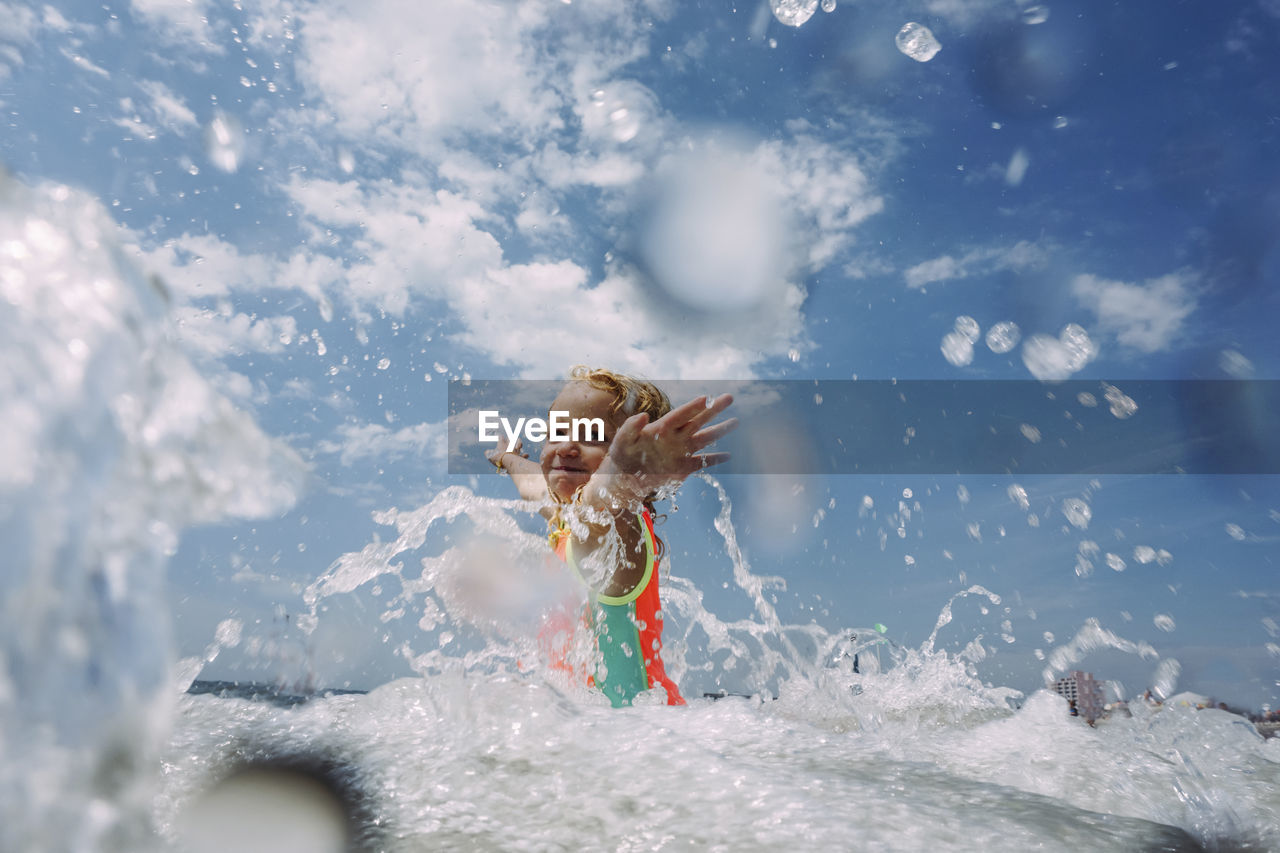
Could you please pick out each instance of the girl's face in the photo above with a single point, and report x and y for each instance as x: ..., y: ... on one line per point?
x: 568, y: 465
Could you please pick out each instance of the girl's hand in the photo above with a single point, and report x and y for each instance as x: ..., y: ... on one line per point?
x: 495, y: 455
x: 665, y: 452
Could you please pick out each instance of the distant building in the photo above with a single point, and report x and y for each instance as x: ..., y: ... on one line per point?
x: 1087, y: 693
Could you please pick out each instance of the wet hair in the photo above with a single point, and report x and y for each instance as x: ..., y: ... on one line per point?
x: 631, y: 396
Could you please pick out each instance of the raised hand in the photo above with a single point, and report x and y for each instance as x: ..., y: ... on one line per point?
x: 663, y: 453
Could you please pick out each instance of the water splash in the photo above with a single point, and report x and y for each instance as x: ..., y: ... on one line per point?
x: 917, y: 41
x: 793, y: 13
x: 112, y: 443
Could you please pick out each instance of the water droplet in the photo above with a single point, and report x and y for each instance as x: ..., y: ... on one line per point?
x: 1115, y: 562
x: 1164, y: 622
x: 1060, y: 122
x: 1036, y: 14
x: 793, y: 13
x: 1018, y: 495
x: 828, y: 5
x: 909, y: 560
x: 968, y: 327
x: 1078, y: 344
x: 906, y: 493
x: 1077, y: 512
x: 916, y: 41
x: 346, y: 160
x: 1236, y: 532
x: 962, y: 494
x: 1087, y: 400
x: 793, y: 354
x: 1030, y: 433
x: 1144, y: 554
x: 384, y: 363
x: 1122, y: 405
x: 957, y: 349
x: 1235, y: 364
x: 1003, y: 337
x: 224, y: 142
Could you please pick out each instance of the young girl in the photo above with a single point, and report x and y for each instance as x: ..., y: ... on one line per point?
x: 598, y: 498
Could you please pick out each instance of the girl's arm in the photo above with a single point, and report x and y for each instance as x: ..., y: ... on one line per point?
x: 526, y: 474
x: 643, y: 459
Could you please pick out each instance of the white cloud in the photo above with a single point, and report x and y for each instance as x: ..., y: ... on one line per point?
x: 221, y: 333
x: 412, y: 71
x: 18, y: 26
x: 374, y: 441
x: 982, y: 261
x: 1147, y: 317
x: 944, y: 268
x: 182, y: 23
x: 169, y: 110
x: 202, y: 265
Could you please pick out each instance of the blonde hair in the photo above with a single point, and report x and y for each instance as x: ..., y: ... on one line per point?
x: 631, y: 396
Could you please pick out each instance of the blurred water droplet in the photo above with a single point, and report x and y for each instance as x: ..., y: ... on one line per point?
x: 1164, y: 622
x: 968, y: 327
x: 793, y: 13
x: 1115, y: 562
x: 1122, y: 405
x: 828, y: 5
x: 1087, y: 400
x: 224, y: 142
x: 346, y: 160
x: 906, y: 493
x: 1060, y: 122
x: 384, y: 363
x: 1030, y: 433
x: 1078, y: 344
x: 1017, y: 168
x: 916, y: 41
x: 1003, y: 337
x: 1236, y: 532
x: 1235, y: 364
x: 1018, y: 495
x: 1144, y: 554
x: 957, y: 349
x: 1077, y: 512
x: 793, y: 354
x: 1037, y: 14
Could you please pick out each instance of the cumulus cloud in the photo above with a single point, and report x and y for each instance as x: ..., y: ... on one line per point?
x: 184, y: 23
x: 18, y: 26
x: 413, y: 71
x: 375, y: 441
x: 169, y: 109
x: 982, y: 261
x: 1147, y: 317
x: 505, y: 120
x: 221, y: 332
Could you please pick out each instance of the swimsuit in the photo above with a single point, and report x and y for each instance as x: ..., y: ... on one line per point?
x: 627, y: 628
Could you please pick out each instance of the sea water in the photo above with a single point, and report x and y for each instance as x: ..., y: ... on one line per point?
x: 113, y: 443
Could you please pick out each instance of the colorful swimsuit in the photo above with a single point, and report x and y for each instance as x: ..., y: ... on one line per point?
x: 627, y: 628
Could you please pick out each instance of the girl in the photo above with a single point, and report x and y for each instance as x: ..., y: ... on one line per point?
x: 598, y: 498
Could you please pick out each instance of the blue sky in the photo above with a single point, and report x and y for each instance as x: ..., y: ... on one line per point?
x: 352, y: 203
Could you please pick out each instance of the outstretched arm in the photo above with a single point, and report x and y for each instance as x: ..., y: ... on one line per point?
x: 645, y: 457
x: 525, y: 473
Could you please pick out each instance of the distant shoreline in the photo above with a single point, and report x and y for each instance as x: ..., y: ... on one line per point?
x: 283, y: 696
